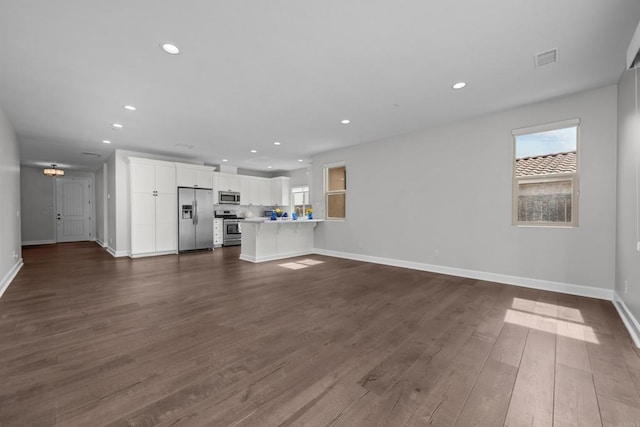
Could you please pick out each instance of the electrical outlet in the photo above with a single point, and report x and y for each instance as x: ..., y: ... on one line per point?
x: 626, y: 286
x: 638, y: 247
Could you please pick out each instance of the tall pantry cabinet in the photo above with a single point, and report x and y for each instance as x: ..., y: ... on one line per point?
x: 153, y: 207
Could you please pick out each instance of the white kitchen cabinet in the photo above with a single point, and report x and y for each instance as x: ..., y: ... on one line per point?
x: 265, y: 192
x: 280, y: 191
x: 153, y: 207
x: 228, y: 182
x: 218, y: 235
x: 250, y: 190
x: 245, y: 184
x: 194, y: 176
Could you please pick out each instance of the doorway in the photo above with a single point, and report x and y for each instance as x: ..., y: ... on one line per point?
x: 73, y: 209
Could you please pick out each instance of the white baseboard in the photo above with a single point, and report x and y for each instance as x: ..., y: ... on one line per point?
x: 152, y: 254
x: 101, y: 243
x: 117, y: 254
x: 249, y: 258
x: 8, y: 278
x: 38, y: 242
x: 567, y: 288
x: 629, y: 320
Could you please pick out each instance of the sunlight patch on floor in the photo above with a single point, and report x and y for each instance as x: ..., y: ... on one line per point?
x: 303, y: 263
x: 566, y: 313
x: 560, y: 327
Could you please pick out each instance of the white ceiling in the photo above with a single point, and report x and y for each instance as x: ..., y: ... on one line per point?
x: 254, y: 72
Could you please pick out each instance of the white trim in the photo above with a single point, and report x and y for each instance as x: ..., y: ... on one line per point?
x: 629, y: 320
x: 634, y: 46
x: 8, y: 278
x: 38, y: 242
x: 117, y: 254
x: 101, y: 243
x: 256, y: 259
x: 152, y: 254
x: 546, y: 127
x: 567, y: 288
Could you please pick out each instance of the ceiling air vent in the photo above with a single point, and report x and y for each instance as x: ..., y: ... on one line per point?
x: 546, y: 58
x: 96, y: 155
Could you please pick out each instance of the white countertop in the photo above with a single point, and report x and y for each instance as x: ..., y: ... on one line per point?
x: 263, y: 220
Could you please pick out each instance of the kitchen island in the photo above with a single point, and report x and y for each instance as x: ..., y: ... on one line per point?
x: 267, y: 240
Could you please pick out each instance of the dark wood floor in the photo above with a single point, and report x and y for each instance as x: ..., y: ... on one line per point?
x: 208, y: 340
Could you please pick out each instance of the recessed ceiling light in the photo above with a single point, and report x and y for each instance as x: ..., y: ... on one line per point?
x: 106, y: 141
x: 117, y: 125
x: 300, y: 160
x: 276, y: 143
x: 345, y: 121
x: 225, y: 160
x: 170, y: 48
x: 459, y: 85
x: 254, y: 151
x: 269, y: 167
x: 129, y: 107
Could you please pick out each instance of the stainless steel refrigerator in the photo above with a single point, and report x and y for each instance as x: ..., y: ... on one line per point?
x: 195, y: 219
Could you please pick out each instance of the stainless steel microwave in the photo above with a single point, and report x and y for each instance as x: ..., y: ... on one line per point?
x: 228, y: 198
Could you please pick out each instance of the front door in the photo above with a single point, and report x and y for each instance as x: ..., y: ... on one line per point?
x: 73, y: 209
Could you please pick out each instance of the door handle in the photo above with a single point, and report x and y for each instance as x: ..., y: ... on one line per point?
x: 195, y: 210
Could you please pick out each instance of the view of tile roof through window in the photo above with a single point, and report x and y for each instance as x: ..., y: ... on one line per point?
x: 547, y: 164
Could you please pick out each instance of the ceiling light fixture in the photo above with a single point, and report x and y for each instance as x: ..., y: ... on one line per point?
x: 345, y: 121
x: 117, y: 125
x: 106, y: 141
x: 269, y: 167
x: 53, y: 171
x: 129, y: 107
x: 459, y: 85
x: 225, y: 160
x: 300, y: 160
x: 276, y: 143
x: 254, y: 151
x: 171, y: 49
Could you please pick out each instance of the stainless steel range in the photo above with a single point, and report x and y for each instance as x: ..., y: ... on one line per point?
x: 231, y: 227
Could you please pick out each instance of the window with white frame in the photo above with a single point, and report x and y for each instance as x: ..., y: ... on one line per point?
x: 545, y: 174
x: 300, y: 200
x: 335, y: 190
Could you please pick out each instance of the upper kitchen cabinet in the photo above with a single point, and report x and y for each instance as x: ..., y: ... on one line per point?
x: 280, y: 189
x: 148, y: 176
x: 194, y: 175
x: 228, y: 182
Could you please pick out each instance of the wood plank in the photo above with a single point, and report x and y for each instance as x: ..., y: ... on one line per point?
x: 615, y: 413
x: 446, y: 399
x: 575, y: 403
x: 488, y: 402
x: 510, y: 344
x: 532, y: 399
x: 611, y: 376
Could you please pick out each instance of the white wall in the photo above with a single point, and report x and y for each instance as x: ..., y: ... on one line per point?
x: 100, y: 204
x: 628, y: 215
x: 38, y: 198
x: 111, y: 241
x: 38, y: 204
x: 10, y: 239
x: 446, y: 198
x: 300, y: 177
